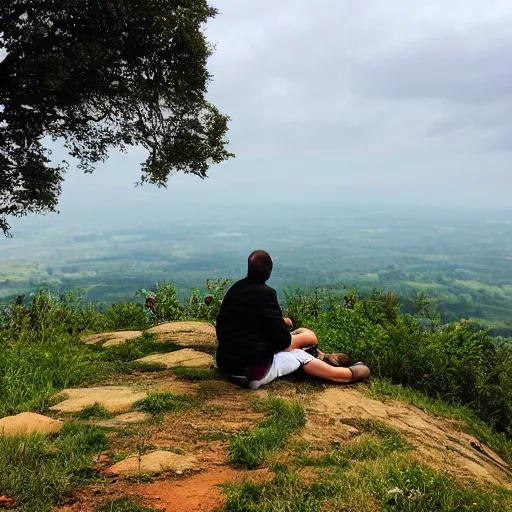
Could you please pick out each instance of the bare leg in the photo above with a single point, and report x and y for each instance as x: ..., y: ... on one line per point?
x: 305, y: 338
x: 302, y: 338
x: 318, y: 368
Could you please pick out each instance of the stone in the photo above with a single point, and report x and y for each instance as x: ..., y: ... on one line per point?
x: 154, y: 463
x: 115, y: 399
x: 132, y: 417
x: 184, y: 357
x: 186, y: 334
x: 110, y: 339
x: 28, y: 423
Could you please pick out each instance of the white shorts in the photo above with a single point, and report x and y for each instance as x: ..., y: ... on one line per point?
x: 284, y: 363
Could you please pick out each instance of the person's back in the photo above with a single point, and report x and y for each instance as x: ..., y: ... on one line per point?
x: 254, y: 344
x: 250, y: 327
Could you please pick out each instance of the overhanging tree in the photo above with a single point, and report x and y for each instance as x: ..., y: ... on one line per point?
x: 97, y: 75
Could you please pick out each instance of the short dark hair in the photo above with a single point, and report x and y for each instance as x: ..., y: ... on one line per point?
x: 259, y: 266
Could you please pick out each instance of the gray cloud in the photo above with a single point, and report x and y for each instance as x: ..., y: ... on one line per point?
x: 369, y: 76
x: 394, y: 100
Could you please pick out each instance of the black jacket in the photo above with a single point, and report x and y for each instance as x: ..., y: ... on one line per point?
x: 250, y: 327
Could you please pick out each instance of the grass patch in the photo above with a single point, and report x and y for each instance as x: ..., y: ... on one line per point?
x: 389, y: 438
x: 123, y: 505
x: 139, y: 366
x: 377, y: 440
x: 216, y: 436
x: 33, y: 369
x: 94, y: 411
x: 38, y: 471
x: 382, y: 389
x: 252, y: 449
x: 391, y: 484
x: 160, y: 402
x: 193, y: 374
x: 137, y: 348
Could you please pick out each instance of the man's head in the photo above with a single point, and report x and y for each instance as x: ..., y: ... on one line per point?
x: 259, y: 266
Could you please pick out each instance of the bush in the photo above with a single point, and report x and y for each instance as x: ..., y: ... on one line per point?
x: 451, y: 362
x: 65, y: 313
x: 204, y: 304
x: 127, y: 315
x: 166, y: 305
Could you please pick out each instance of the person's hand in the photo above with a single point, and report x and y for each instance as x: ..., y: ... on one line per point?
x: 288, y: 322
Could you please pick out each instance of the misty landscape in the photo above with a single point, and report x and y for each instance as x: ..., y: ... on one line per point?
x: 461, y: 259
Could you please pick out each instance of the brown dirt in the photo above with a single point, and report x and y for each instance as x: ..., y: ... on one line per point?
x: 198, y: 493
x: 437, y: 441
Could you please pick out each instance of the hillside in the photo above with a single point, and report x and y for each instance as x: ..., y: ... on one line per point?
x: 391, y: 453
x: 138, y: 419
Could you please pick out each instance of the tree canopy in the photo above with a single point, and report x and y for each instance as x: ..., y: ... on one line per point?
x: 99, y: 75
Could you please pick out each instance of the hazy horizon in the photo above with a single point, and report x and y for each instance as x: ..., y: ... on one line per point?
x: 395, y: 102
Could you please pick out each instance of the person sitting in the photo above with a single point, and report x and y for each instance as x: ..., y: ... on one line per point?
x: 255, y: 345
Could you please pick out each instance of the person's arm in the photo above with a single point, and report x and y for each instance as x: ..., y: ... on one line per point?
x: 274, y: 324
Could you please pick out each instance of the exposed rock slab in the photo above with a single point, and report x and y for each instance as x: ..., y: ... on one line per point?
x: 128, y: 418
x: 28, y: 423
x: 438, y: 442
x: 154, y: 463
x: 132, y: 417
x: 109, y: 339
x: 186, y: 334
x: 184, y: 357
x: 115, y: 399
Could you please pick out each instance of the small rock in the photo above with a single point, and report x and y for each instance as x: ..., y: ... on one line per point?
x: 28, y: 423
x: 7, y: 501
x: 132, y: 417
x: 115, y: 399
x: 111, y: 338
x: 153, y: 463
x: 184, y: 357
x: 186, y: 334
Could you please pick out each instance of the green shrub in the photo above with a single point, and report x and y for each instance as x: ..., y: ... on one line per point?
x: 127, y: 315
x: 204, y: 304
x: 451, y: 362
x: 167, y: 306
x: 65, y: 313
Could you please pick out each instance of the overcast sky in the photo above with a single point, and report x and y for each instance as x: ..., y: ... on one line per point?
x: 346, y: 101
